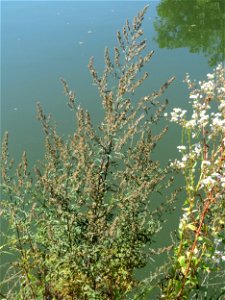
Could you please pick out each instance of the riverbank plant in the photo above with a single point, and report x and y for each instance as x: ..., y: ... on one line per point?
x: 198, y: 265
x: 81, y: 227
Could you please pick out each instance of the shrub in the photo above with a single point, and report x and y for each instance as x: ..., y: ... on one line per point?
x: 79, y: 228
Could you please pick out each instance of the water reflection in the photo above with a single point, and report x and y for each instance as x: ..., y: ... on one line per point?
x: 198, y: 25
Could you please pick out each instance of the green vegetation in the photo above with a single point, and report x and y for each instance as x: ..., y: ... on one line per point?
x: 198, y: 265
x: 82, y: 226
x: 194, y: 24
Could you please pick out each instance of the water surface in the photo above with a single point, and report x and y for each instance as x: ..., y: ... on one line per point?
x: 44, y: 40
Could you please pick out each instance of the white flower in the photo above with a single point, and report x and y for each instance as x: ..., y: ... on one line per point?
x: 208, y: 182
x: 180, y: 148
x: 206, y: 163
x: 185, y: 157
x: 217, y: 123
x: 210, y: 76
x: 177, y: 115
x: 194, y: 116
x: 217, y: 241
x: 217, y: 175
x: 203, y: 118
x: 177, y: 164
x: 221, y: 90
x: 219, y: 67
x: 190, y: 124
x: 207, y: 86
x: 174, y: 117
x: 216, y: 259
x: 180, y: 165
x: 222, y: 180
x: 222, y: 105
x: 197, y: 149
x: 194, y: 96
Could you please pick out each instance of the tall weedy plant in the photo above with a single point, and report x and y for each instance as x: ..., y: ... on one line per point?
x: 198, y: 266
x: 80, y: 228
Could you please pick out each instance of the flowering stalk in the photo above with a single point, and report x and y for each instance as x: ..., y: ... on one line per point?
x: 202, y: 164
x: 84, y: 218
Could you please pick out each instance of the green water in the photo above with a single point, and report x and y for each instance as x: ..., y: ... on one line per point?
x: 45, y: 40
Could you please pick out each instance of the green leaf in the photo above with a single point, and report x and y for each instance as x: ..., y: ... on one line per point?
x: 182, y: 261
x: 191, y: 227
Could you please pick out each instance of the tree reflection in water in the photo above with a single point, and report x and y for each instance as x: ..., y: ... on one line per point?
x: 195, y: 24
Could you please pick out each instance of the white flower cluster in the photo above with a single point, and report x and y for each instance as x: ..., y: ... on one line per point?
x: 207, y: 124
x: 218, y: 122
x: 222, y: 105
x: 203, y: 164
x: 200, y: 98
x: 177, y: 115
x: 218, y: 256
x: 208, y: 86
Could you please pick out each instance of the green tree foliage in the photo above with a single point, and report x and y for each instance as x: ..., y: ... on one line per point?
x: 79, y: 228
x: 194, y: 24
